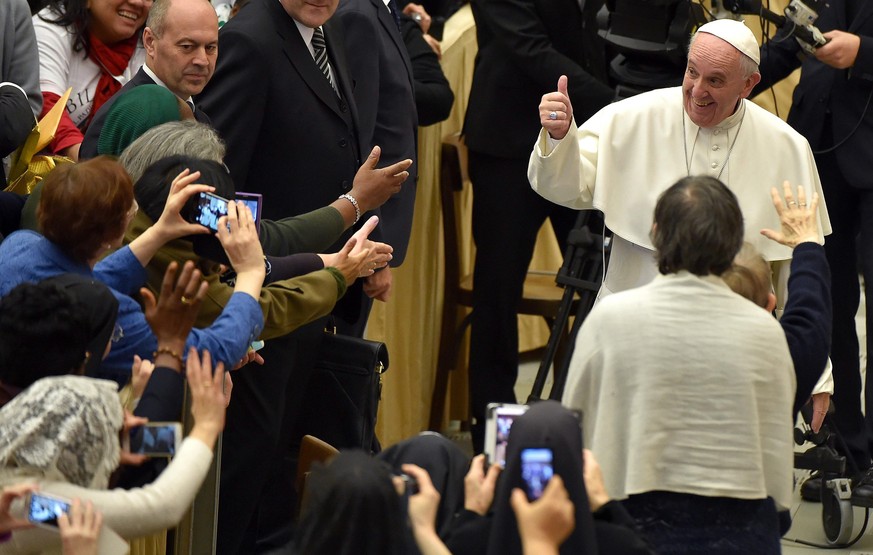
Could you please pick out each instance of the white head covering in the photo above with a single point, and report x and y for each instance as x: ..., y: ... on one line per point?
x: 736, y: 34
x: 62, y: 428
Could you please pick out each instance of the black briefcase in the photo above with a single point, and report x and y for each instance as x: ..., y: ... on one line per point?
x: 343, y: 395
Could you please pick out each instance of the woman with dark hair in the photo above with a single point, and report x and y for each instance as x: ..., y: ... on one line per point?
x: 446, y: 464
x: 61, y: 325
x: 601, y: 526
x: 91, y: 46
x: 83, y: 213
x: 355, y: 505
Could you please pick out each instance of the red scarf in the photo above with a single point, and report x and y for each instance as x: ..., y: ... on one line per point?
x: 112, y: 60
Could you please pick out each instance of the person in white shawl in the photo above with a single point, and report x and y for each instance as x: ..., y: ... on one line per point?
x: 687, y: 388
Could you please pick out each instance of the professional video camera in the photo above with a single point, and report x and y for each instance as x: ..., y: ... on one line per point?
x: 799, y: 15
x: 650, y: 39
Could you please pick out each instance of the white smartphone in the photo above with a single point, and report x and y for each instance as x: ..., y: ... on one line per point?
x: 155, y: 439
x: 44, y: 509
x: 498, y: 422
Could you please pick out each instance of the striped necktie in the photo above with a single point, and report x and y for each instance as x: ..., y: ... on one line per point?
x: 319, y: 48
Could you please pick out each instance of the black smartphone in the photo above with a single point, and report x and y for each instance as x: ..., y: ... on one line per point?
x: 536, y: 470
x: 207, y: 209
x: 254, y: 202
x: 44, y: 509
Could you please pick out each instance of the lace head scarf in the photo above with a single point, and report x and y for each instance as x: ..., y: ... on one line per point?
x: 62, y: 428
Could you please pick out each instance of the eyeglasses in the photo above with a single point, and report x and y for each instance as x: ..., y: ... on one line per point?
x: 133, y: 210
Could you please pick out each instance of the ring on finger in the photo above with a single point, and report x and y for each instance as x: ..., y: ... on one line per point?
x: 792, y: 203
x: 553, y: 115
x: 185, y: 300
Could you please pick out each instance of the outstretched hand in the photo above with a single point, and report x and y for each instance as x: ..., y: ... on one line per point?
x: 556, y: 111
x: 799, y: 218
x: 373, y: 186
x: 172, y: 316
x: 208, y: 401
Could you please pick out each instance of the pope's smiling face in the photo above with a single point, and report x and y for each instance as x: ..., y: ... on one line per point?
x: 714, y: 82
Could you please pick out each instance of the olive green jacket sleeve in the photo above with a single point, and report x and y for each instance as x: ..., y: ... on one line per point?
x: 314, y: 231
x: 287, y: 304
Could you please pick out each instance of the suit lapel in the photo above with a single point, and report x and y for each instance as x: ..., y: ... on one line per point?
x: 339, y: 64
x: 298, y: 54
x: 387, y: 21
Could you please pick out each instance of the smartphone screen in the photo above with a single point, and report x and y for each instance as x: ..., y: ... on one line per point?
x: 159, y: 439
x: 209, y: 209
x: 254, y: 202
x: 44, y: 510
x: 497, y: 425
x: 536, y: 470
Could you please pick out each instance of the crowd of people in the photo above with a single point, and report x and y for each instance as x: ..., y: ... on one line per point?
x: 117, y: 303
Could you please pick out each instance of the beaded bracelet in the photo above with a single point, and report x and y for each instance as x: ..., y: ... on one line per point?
x: 168, y: 351
x: 354, y: 202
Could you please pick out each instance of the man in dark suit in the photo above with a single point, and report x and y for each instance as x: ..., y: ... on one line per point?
x: 291, y: 128
x: 524, y: 46
x: 383, y: 87
x: 181, y: 43
x: 831, y: 108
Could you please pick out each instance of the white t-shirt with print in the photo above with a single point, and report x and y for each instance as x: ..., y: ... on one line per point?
x: 60, y: 67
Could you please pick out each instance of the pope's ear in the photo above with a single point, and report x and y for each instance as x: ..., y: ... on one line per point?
x: 751, y: 82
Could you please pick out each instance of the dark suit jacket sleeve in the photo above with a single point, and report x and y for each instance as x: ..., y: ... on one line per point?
x: 236, y: 99
x: 162, y: 398
x: 807, y: 317
x: 16, y: 119
x: 433, y: 96
x: 160, y: 402
x: 314, y: 231
x: 863, y: 68
x: 518, y: 27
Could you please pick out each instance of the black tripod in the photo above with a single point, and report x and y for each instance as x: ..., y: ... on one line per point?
x: 581, y: 274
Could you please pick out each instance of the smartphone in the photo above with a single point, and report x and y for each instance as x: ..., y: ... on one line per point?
x: 498, y: 421
x: 254, y: 202
x: 536, y: 470
x: 208, y: 208
x: 155, y: 439
x: 44, y: 509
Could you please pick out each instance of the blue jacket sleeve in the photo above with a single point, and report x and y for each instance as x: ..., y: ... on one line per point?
x: 807, y: 317
x: 121, y: 271
x: 229, y: 337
